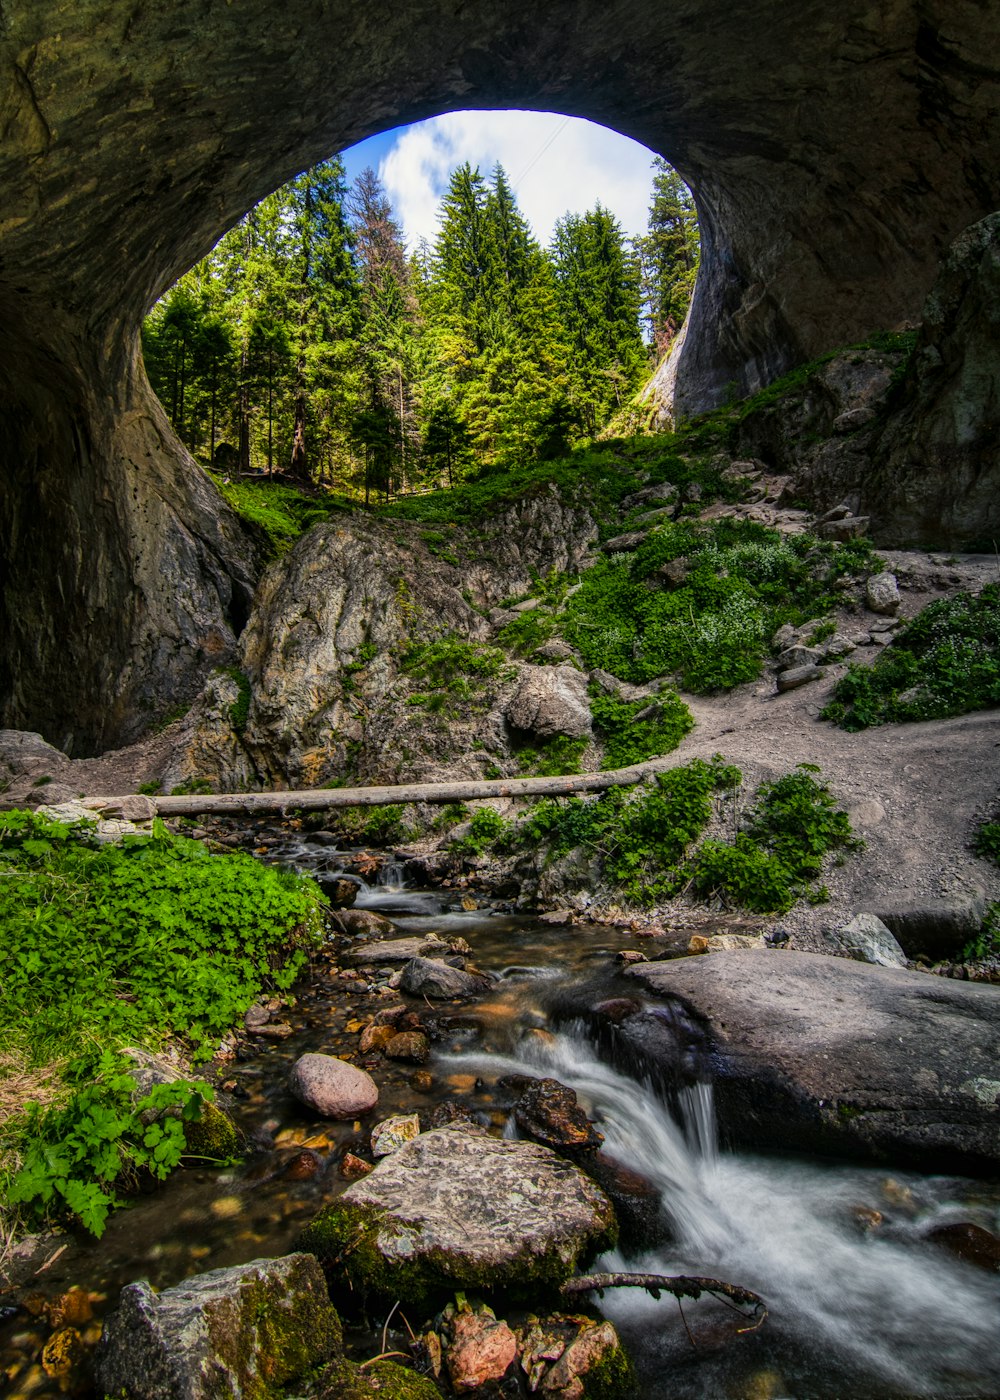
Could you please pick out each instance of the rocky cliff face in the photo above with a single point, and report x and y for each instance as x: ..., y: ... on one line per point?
x: 327, y: 647
x: 834, y: 153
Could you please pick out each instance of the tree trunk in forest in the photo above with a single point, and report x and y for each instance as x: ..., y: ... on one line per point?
x: 243, y: 414
x: 299, y: 465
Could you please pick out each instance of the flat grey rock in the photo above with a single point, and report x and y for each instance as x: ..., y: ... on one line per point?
x: 473, y: 1208
x: 819, y: 1053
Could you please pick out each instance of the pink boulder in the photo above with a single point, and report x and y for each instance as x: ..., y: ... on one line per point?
x: 334, y: 1088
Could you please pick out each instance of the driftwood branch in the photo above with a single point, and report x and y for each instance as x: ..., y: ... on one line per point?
x: 322, y: 799
x: 679, y: 1285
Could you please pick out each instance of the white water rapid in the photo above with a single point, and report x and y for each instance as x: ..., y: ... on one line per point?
x: 852, y: 1314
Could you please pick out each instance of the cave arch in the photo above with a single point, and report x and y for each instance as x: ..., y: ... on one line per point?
x: 835, y: 151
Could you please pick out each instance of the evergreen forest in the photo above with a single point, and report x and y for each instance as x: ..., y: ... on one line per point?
x: 310, y: 343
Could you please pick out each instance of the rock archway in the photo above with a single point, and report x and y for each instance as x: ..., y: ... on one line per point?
x: 834, y: 149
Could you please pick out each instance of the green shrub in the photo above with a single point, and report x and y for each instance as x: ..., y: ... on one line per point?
x: 634, y: 730
x: 108, y: 946
x: 986, y: 944
x: 646, y: 840
x: 945, y: 662
x: 553, y: 758
x: 712, y: 628
x: 487, y: 829
x: 986, y: 842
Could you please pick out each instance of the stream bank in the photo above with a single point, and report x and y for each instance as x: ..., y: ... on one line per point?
x: 850, y: 1258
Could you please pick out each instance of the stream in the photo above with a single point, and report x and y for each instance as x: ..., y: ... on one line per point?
x: 862, y: 1306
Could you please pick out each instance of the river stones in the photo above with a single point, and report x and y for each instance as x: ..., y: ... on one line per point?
x: 334, y: 1088
x: 391, y: 1134
x: 366, y: 923
x: 412, y: 1047
x: 459, y: 1210
x: 219, y: 1333
x: 426, y: 977
x: 548, y: 1112
x: 396, y: 950
x: 822, y: 1054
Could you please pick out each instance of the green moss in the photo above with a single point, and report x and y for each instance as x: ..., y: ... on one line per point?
x: 346, y: 1235
x: 611, y: 1379
x: 212, y: 1134
x: 346, y: 1380
x: 277, y: 1335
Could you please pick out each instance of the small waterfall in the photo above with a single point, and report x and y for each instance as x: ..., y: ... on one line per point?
x: 871, y: 1315
x: 390, y: 877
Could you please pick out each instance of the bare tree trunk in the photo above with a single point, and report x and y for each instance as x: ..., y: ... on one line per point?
x: 322, y: 799
x: 300, y: 462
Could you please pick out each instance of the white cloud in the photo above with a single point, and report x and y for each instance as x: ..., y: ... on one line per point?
x: 556, y: 164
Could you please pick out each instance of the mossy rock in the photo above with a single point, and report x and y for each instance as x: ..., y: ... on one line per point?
x: 346, y: 1380
x: 611, y: 1379
x: 456, y: 1210
x: 213, y: 1134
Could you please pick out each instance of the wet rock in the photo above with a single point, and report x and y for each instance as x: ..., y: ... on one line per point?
x: 63, y: 1354
x: 218, y: 1333
x: 425, y: 977
x: 389, y: 1135
x: 451, y: 1114
x: 830, y: 1055
x: 255, y: 1016
x: 422, y: 1082
x: 340, y: 892
x: 332, y: 1087
x: 353, y: 1168
x: 595, y: 1347
x: 479, y: 1349
x: 628, y: 956
x: 636, y: 1199
x: 461, y: 1210
x: 882, y: 593
x: 412, y: 1047
x: 550, y: 700
x: 558, y: 1352
x: 302, y: 1166
x: 548, y: 1112
x: 366, y: 923
x: 375, y: 1037
x: 970, y: 1243
x: 397, y: 950
x: 866, y: 939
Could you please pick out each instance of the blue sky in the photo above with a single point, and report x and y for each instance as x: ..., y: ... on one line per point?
x: 556, y: 164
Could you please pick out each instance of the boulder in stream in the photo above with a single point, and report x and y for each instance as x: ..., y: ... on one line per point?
x: 426, y: 977
x: 397, y: 950
x: 248, y: 1330
x: 334, y: 1088
x: 460, y: 1210
x: 821, y: 1054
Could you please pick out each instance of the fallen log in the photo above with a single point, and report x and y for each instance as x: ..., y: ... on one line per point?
x: 323, y: 799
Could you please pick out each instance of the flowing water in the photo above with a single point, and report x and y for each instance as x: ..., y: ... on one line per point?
x: 861, y: 1305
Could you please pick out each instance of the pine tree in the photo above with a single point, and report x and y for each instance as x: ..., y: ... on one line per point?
x: 670, y: 252
x: 598, y: 294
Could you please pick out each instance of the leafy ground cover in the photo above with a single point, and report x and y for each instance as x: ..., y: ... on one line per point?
x: 648, y: 847
x: 107, y: 947
x: 282, y: 511
x: 945, y: 662
x: 734, y: 582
